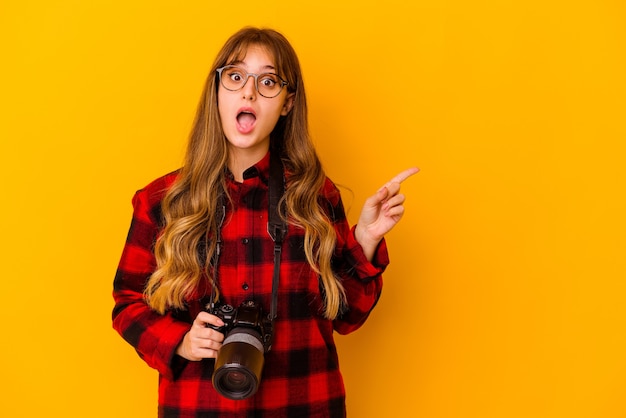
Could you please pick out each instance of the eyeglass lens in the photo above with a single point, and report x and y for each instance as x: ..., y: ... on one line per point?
x: 267, y: 84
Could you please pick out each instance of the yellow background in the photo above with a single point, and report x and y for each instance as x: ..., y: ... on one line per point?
x: 505, y: 296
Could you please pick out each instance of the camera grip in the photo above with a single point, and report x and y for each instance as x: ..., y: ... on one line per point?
x: 225, y: 313
x: 216, y: 327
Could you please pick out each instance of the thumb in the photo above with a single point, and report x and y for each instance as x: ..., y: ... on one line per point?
x: 374, y: 201
x: 380, y: 196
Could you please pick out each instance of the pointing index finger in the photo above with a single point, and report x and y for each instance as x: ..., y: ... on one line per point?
x: 404, y: 175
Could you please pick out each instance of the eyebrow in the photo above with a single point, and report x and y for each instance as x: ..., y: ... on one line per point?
x: 264, y: 68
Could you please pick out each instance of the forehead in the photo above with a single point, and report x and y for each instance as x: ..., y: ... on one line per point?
x: 253, y: 55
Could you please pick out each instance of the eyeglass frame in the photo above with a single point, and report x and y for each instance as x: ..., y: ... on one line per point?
x: 283, y: 83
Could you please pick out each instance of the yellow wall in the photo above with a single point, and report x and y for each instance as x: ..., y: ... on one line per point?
x: 505, y: 297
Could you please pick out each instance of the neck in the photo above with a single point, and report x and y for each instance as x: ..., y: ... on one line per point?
x: 240, y: 160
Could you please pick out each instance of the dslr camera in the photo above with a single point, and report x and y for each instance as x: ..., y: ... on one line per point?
x: 247, y: 337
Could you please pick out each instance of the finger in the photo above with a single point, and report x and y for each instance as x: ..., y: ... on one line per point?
x: 395, y: 212
x: 216, y: 336
x: 205, y: 336
x: 404, y: 175
x: 376, y: 199
x: 199, y: 353
x: 393, y: 188
x: 205, y: 318
x: 209, y: 353
x: 394, y: 201
x: 208, y: 343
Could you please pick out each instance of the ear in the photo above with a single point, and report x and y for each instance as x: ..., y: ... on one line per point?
x: 288, y: 105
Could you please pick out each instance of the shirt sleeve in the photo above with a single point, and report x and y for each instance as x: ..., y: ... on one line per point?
x: 154, y: 336
x: 362, y: 279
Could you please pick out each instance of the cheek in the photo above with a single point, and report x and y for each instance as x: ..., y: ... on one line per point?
x: 222, y: 105
x: 220, y: 100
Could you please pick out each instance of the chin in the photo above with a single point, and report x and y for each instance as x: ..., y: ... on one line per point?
x: 248, y: 144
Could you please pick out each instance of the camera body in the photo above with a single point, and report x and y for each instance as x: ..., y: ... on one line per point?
x: 247, y: 337
x: 249, y: 315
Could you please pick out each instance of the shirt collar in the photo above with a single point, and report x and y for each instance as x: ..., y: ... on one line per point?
x: 261, y: 169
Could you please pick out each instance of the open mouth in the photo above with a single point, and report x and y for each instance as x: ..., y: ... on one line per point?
x: 245, y: 121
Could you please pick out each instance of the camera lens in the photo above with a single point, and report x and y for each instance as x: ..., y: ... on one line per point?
x: 238, y: 383
x: 239, y: 364
x: 235, y: 381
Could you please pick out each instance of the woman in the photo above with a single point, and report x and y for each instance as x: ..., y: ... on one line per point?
x: 185, y: 255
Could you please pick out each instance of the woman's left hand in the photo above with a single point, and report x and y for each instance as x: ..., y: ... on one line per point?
x: 381, y: 212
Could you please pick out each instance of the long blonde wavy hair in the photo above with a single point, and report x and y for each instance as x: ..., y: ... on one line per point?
x: 189, y: 207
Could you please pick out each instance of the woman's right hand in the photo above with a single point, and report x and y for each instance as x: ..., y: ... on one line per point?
x: 202, y: 341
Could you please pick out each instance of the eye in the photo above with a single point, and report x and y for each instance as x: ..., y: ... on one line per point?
x: 235, y: 76
x: 268, y: 80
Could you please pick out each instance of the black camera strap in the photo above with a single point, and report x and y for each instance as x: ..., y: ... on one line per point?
x: 276, y: 225
x: 276, y: 228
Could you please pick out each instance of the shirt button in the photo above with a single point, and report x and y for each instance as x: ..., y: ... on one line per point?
x: 245, y: 241
x: 245, y: 286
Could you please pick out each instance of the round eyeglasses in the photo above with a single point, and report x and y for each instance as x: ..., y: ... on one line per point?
x: 233, y: 78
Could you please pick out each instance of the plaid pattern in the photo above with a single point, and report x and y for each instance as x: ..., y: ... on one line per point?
x: 301, y: 377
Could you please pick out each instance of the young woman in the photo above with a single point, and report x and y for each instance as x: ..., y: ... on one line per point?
x: 199, y: 239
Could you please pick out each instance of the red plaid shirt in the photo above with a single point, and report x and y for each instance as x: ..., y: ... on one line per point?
x: 301, y: 376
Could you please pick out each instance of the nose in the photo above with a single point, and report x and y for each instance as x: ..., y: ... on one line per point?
x: 249, y: 89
